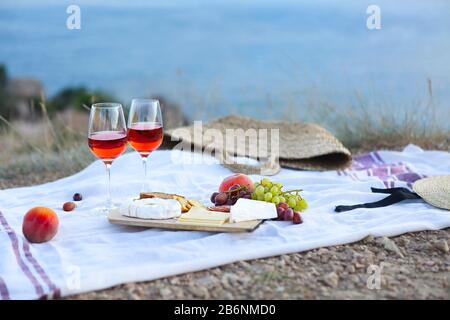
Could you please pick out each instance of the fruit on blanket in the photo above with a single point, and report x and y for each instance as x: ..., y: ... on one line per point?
x: 213, y: 197
x: 236, y: 179
x: 280, y: 213
x: 301, y: 205
x: 77, y: 197
x: 283, y: 205
x: 235, y: 189
x: 271, y: 191
x: 291, y: 202
x: 266, y: 183
x: 40, y: 224
x: 285, y: 213
x: 230, y: 196
x: 259, y: 190
x: 221, y: 199
x: 268, y: 197
x: 297, y: 219
x: 69, y: 206
x: 288, y: 214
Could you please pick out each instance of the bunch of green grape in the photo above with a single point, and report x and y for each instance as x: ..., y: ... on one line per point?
x: 270, y: 191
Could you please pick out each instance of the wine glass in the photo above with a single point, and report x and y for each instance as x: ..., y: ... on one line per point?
x: 107, y: 137
x: 145, y: 130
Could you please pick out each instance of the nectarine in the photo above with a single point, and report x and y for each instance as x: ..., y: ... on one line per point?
x: 40, y: 224
x: 238, y: 178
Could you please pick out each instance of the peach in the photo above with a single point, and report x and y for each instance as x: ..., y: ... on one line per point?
x: 40, y: 224
x: 238, y: 178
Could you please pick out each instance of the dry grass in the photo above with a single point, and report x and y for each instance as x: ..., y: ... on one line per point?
x: 364, y: 126
x: 56, y: 147
x: 362, y: 131
x: 49, y: 147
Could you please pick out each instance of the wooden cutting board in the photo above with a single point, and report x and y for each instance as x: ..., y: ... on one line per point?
x: 115, y: 217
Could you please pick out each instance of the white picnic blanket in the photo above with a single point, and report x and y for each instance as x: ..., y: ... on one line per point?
x: 88, y: 253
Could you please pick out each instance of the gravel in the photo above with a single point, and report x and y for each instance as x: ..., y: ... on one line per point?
x: 411, y: 266
x: 389, y: 245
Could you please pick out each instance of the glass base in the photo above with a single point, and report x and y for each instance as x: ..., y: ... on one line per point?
x: 106, y: 209
x: 145, y: 188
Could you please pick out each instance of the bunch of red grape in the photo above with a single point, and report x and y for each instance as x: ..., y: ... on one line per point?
x: 230, y: 196
x: 286, y: 213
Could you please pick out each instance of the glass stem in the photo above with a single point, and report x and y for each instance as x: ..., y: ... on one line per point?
x: 144, y: 183
x: 109, y: 199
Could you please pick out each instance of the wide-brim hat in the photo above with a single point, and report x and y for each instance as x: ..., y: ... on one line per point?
x: 301, y: 145
x: 434, y: 190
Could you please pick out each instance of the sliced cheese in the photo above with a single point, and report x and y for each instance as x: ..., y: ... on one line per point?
x: 202, y: 216
x: 246, y: 210
x: 151, y: 208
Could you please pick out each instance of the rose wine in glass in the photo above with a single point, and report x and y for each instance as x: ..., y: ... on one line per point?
x: 145, y: 137
x: 108, y: 145
x: 107, y: 137
x: 145, y: 130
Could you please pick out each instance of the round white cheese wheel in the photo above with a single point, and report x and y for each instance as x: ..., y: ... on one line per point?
x: 151, y: 208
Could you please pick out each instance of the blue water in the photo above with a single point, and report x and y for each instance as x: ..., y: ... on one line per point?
x: 214, y: 57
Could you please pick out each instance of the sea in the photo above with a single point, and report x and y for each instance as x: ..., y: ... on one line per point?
x: 265, y: 59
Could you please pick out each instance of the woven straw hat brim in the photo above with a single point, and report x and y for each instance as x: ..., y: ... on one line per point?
x: 302, y: 145
x: 434, y: 190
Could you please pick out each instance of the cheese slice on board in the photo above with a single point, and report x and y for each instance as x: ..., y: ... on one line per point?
x: 246, y: 210
x: 202, y: 216
x: 151, y: 208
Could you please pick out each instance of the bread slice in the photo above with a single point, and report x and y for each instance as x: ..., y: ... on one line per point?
x: 186, y: 204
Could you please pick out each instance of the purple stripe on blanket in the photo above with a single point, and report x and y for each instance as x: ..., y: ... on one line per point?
x: 408, y: 177
x: 4, y: 293
x: 363, y: 161
x: 55, y: 292
x: 15, y: 246
x: 377, y: 155
x: 371, y: 164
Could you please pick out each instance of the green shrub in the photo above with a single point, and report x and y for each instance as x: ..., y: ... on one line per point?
x: 75, y: 98
x: 6, y: 109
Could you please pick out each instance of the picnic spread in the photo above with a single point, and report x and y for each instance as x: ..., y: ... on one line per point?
x: 194, y: 214
x: 89, y: 253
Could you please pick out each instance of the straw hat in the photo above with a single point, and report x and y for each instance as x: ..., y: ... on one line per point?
x: 301, y: 145
x: 434, y: 190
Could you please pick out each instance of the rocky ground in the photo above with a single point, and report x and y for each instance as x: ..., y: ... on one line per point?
x: 413, y: 266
